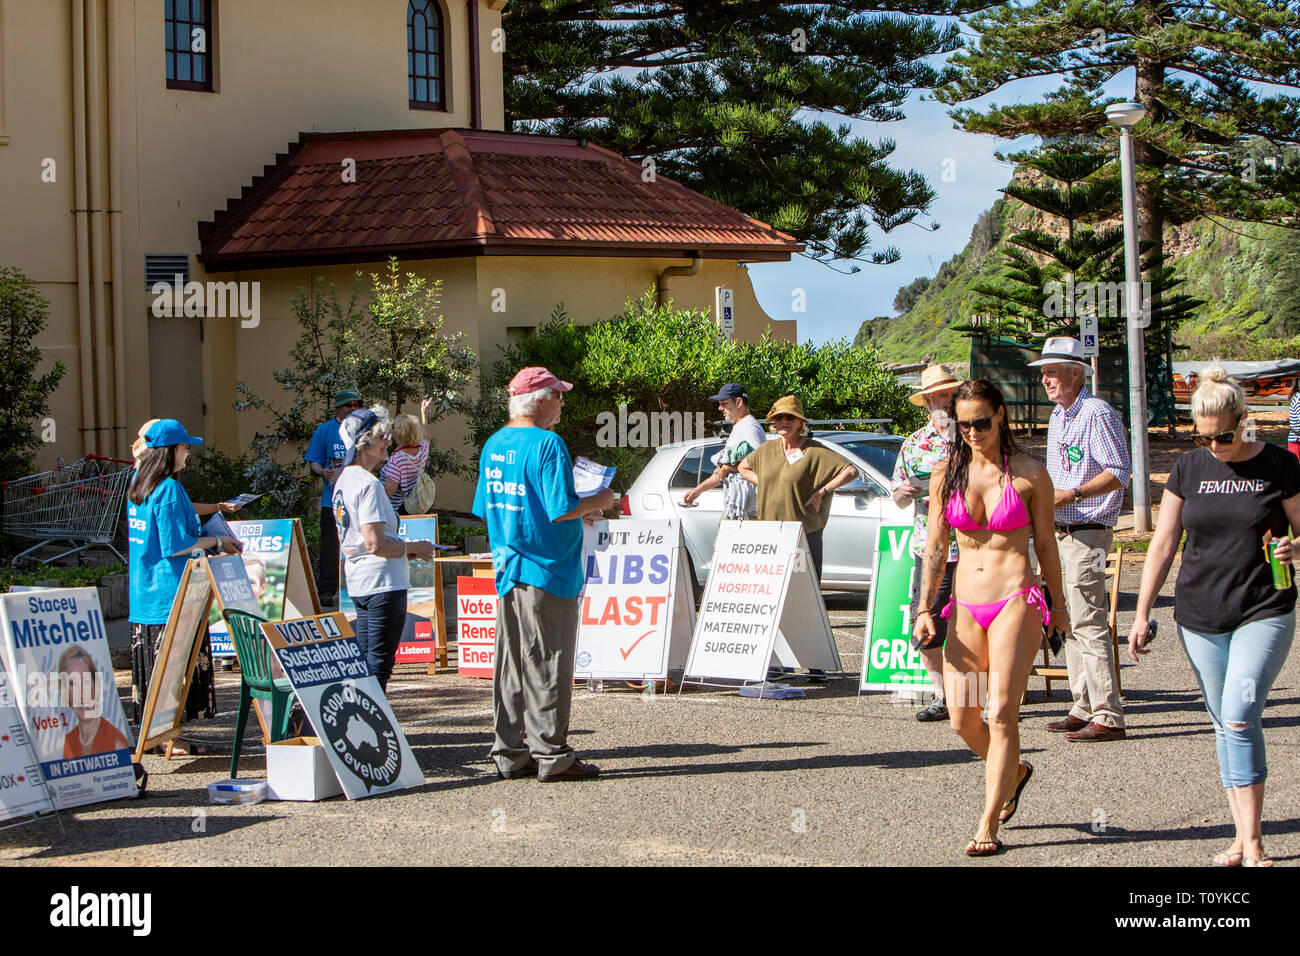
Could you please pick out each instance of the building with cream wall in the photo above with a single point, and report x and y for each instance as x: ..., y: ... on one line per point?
x: 102, y: 164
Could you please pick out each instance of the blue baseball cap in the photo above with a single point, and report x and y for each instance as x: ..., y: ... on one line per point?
x: 353, y: 427
x: 168, y: 431
x: 730, y: 390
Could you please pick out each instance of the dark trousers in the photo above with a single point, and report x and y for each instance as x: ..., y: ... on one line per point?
x: 380, y: 620
x: 815, y: 551
x: 327, y: 576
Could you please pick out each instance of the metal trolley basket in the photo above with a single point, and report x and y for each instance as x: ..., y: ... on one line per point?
x: 78, y: 504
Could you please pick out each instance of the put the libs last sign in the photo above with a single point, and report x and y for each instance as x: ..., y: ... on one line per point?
x: 476, y: 626
x: 345, y: 704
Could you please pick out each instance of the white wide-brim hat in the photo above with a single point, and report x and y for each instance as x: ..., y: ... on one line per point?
x: 1062, y: 348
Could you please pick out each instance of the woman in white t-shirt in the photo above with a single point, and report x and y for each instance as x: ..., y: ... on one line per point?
x: 375, y: 558
x: 404, y: 465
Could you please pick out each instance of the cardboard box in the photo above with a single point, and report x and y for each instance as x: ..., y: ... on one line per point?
x: 297, y: 769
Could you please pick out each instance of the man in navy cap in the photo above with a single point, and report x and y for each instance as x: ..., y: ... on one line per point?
x: 325, y: 458
x: 746, y: 436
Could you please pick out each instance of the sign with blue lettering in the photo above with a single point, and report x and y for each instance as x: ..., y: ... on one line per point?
x: 55, y: 651
x: 272, y: 558
x: 345, y: 704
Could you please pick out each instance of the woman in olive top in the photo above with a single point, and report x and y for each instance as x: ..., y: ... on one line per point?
x: 1231, y: 495
x: 162, y: 533
x: 796, y: 478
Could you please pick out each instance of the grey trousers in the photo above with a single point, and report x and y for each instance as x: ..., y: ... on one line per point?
x: 532, y: 687
x: 1089, y: 658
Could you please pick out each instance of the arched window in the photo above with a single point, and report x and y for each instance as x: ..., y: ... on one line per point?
x: 425, y: 65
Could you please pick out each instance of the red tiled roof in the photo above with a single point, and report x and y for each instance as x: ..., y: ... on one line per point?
x: 449, y: 192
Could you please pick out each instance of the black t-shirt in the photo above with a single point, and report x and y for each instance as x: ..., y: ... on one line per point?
x: 1225, y: 580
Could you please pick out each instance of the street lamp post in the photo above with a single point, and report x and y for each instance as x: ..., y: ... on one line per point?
x: 1126, y: 116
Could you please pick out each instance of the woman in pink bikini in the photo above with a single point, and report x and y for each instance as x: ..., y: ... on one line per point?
x: 994, y: 497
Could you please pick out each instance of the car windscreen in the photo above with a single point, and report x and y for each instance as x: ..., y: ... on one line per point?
x: 880, y: 454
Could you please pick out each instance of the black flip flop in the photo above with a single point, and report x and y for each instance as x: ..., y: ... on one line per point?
x: 997, y: 848
x: 1015, y: 798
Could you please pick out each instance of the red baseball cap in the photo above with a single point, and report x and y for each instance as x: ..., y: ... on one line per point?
x: 534, y: 377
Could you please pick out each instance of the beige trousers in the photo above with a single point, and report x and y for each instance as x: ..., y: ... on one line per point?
x: 1088, y: 654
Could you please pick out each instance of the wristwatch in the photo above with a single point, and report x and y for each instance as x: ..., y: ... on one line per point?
x: 1078, y: 496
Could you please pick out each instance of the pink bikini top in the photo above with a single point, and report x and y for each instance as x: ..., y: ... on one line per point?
x: 1008, y: 514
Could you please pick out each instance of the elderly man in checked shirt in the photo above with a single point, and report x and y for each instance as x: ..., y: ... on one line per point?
x: 1088, y: 461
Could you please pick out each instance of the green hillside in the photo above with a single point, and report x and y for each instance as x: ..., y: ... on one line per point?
x: 1248, y: 275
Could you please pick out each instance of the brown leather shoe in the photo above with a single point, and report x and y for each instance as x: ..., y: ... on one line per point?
x: 574, y: 771
x: 1095, y: 732
x: 1070, y: 723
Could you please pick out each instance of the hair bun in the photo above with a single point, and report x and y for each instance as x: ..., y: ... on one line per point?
x: 1215, y: 373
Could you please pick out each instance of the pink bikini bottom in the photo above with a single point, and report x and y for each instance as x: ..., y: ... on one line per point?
x: 985, y: 614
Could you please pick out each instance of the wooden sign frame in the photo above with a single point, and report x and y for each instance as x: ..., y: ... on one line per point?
x: 167, y: 647
x: 303, y: 585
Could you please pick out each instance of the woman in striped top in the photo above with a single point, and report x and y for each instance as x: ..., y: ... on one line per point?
x: 405, y: 464
x: 1293, y: 434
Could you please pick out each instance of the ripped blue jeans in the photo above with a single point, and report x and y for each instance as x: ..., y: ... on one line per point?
x: 1236, y: 670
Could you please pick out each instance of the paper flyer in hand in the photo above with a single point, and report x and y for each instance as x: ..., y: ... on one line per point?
x: 589, y: 477
x: 218, y: 525
x: 240, y: 500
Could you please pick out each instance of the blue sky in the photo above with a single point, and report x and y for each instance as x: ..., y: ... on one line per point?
x: 836, y: 305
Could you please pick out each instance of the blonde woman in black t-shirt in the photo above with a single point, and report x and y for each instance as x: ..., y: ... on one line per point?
x: 1231, y: 495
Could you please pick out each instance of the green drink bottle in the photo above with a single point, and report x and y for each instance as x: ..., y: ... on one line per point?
x: 1281, y: 569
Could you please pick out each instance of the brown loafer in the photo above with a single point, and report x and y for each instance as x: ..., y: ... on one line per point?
x: 1095, y: 732
x: 574, y: 771
x: 1070, y: 724
x: 527, y: 770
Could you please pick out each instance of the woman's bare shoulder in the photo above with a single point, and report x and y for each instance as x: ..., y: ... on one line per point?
x: 1024, y: 465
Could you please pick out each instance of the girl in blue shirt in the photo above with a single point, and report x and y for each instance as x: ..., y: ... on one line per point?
x: 163, y: 532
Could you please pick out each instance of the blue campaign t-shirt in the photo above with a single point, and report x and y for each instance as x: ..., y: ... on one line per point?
x: 326, y: 446
x: 156, y: 530
x: 525, y: 482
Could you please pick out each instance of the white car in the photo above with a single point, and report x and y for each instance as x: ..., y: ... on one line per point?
x: 857, y: 510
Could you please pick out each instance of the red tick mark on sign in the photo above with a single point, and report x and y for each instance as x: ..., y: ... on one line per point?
x: 627, y: 652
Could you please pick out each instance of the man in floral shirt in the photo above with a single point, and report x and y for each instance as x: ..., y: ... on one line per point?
x: 920, y: 454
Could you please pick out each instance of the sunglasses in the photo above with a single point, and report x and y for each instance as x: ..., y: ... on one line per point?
x: 784, y: 418
x: 352, y: 405
x: 1223, y: 438
x: 978, y: 424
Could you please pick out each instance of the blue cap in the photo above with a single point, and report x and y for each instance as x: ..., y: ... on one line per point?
x: 353, y: 427
x: 168, y: 431
x: 730, y: 390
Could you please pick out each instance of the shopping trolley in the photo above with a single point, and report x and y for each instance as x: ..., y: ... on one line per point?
x: 78, y: 504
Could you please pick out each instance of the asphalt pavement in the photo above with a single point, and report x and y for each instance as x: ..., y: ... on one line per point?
x: 708, y: 777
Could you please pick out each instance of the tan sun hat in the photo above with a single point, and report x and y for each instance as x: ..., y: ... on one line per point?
x: 936, y: 378
x: 787, y: 405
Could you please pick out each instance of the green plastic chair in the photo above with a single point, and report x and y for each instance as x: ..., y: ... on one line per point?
x: 254, y: 655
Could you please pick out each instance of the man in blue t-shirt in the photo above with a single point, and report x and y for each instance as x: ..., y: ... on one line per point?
x: 325, y: 458
x: 525, y: 493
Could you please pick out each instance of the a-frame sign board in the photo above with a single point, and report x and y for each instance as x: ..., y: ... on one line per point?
x: 178, y: 653
x: 224, y: 580
x: 762, y: 604
x: 24, y: 794
x: 637, y: 611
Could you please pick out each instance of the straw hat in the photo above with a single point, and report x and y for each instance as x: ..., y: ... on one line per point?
x: 788, y: 405
x: 936, y: 378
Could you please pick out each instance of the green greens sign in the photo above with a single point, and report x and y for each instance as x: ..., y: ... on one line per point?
x: 888, y: 660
